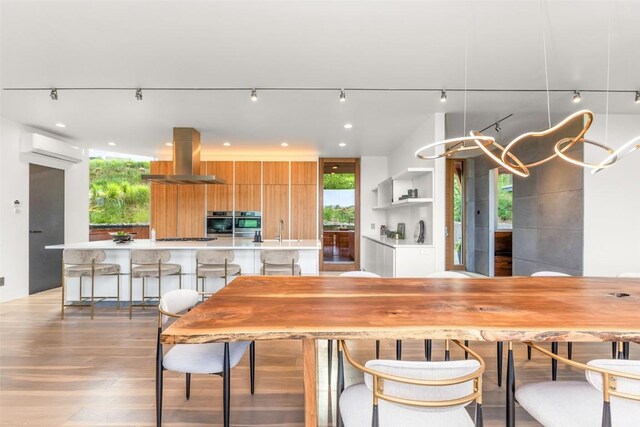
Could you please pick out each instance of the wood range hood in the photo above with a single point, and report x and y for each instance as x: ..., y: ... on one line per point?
x: 186, y: 161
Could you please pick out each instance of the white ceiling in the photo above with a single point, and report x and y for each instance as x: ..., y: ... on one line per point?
x: 355, y: 44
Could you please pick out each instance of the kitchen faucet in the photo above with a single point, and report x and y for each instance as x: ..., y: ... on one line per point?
x: 281, y: 229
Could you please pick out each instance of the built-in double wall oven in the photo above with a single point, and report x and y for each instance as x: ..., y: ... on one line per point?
x: 228, y: 224
x: 219, y: 224
x: 247, y: 223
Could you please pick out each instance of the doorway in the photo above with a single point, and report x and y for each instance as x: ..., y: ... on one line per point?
x: 46, y: 227
x: 455, y: 204
x: 500, y: 222
x: 340, y: 214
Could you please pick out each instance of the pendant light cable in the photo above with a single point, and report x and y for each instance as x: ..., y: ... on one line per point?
x: 546, y: 68
x: 606, y: 111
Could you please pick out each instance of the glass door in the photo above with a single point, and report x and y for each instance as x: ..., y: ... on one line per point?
x: 340, y: 214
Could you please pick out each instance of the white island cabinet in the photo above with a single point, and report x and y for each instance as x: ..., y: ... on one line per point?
x: 398, y: 258
x: 247, y: 254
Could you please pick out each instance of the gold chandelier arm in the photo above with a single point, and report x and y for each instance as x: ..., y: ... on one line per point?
x: 520, y: 169
x: 454, y: 148
x: 620, y: 153
x: 560, y: 149
x: 587, y: 117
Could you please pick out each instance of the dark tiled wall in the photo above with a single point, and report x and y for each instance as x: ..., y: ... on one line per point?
x: 548, y: 213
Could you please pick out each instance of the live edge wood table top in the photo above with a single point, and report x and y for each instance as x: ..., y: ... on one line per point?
x: 488, y: 309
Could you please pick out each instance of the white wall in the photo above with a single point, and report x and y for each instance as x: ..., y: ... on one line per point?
x: 373, y: 170
x: 14, y: 226
x: 612, y: 202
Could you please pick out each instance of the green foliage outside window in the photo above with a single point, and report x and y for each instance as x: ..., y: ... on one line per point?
x: 339, y: 181
x: 505, y: 198
x: 117, y: 194
x: 335, y: 216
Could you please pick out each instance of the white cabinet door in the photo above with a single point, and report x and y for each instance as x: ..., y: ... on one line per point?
x: 370, y: 255
x: 415, y: 262
x: 388, y: 265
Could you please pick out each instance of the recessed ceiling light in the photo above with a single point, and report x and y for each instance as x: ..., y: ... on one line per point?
x: 284, y: 144
x: 61, y: 125
x: 348, y: 125
x: 169, y: 144
x: 111, y: 143
x: 342, y: 144
x: 226, y: 143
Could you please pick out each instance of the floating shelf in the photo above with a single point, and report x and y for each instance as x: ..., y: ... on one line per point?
x: 406, y: 202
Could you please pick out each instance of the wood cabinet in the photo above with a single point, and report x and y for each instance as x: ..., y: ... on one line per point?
x: 276, y: 208
x: 164, y: 201
x: 247, y: 186
x: 275, y: 173
x: 304, y: 173
x: 192, y: 215
x: 220, y: 196
x: 304, y: 214
x: 248, y: 173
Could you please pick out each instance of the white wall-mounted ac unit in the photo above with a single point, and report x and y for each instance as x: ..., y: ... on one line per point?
x: 44, y: 146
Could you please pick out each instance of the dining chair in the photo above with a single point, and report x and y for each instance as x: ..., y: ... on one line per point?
x: 623, y: 351
x: 154, y: 263
x: 554, y: 345
x: 280, y: 263
x: 409, y: 393
x: 87, y: 263
x: 215, y: 263
x: 207, y: 358
x: 356, y: 273
x: 609, y: 397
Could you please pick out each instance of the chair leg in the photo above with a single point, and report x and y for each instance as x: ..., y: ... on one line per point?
x: 466, y: 354
x: 188, y: 385
x: 159, y: 375
x: 226, y: 385
x: 569, y: 350
x: 377, y: 349
x: 340, y: 385
x: 330, y: 357
x: 252, y: 365
x: 528, y: 353
x: 499, y: 352
x: 375, y: 421
x: 398, y: 349
x: 614, y: 349
x: 447, y: 353
x: 606, y: 414
x: 479, y: 420
x: 511, y: 388
x: 626, y: 350
x: 428, y: 349
x: 554, y: 362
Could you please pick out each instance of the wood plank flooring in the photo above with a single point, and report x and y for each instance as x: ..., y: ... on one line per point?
x: 80, y: 372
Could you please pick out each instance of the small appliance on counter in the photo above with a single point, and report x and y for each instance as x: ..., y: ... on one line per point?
x: 419, y: 233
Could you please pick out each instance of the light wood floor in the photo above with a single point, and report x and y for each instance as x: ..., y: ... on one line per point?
x: 80, y: 372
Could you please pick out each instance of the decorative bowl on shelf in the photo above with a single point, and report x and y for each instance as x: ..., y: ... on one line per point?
x: 121, y: 236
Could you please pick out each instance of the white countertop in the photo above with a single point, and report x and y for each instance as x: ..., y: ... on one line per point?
x: 388, y: 241
x: 235, y: 244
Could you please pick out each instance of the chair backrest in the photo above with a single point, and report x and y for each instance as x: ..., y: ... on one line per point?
x: 629, y: 274
x: 624, y: 385
x: 177, y: 300
x: 425, y: 371
x: 358, y: 274
x: 214, y: 256
x: 549, y: 274
x: 446, y: 275
x: 278, y: 257
x: 150, y: 256
x: 83, y: 256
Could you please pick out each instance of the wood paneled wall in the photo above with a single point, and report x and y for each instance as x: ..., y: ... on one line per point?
x: 304, y: 197
x: 220, y: 196
x: 248, y: 185
x: 164, y: 202
x: 276, y: 208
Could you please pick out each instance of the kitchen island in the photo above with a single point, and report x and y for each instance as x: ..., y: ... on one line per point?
x: 247, y: 255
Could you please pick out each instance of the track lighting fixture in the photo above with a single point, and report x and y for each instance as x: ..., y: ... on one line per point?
x: 139, y: 94
x: 498, y: 128
x: 443, y: 96
x: 254, y: 95
x: 54, y: 94
x: 576, y: 96
x: 343, y: 96
x: 637, y: 97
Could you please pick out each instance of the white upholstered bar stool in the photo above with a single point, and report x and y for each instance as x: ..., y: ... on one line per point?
x: 150, y: 263
x: 587, y: 403
x: 87, y: 263
x: 216, y: 263
x: 280, y: 263
x: 412, y: 394
x: 554, y: 345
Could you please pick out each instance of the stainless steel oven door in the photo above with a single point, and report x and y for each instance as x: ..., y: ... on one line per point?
x: 219, y: 224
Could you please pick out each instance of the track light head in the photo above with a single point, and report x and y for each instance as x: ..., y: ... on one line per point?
x: 443, y: 96
x: 576, y: 96
x: 54, y: 94
x: 498, y: 128
x: 343, y: 96
x: 139, y: 94
x: 638, y: 97
x: 254, y: 95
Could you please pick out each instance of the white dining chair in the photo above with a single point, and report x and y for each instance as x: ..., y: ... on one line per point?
x: 355, y: 273
x: 208, y: 358
x: 609, y: 397
x: 408, y: 393
x: 554, y: 345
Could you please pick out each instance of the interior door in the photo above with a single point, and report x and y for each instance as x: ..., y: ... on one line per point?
x: 46, y: 227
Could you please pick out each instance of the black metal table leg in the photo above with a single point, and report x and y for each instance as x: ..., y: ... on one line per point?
x: 499, y: 352
x: 398, y: 349
x: 428, y: 346
x: 226, y: 395
x: 330, y: 357
x: 511, y: 388
x: 625, y: 350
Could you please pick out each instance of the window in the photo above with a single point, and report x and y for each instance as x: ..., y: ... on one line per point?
x: 505, y: 201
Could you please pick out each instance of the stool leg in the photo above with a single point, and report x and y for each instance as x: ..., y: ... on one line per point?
x: 130, y: 293
x: 118, y: 291
x: 330, y: 357
x: 93, y: 279
x: 64, y: 286
x: 143, y: 292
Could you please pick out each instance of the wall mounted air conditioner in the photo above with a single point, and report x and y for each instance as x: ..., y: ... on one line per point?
x: 41, y: 145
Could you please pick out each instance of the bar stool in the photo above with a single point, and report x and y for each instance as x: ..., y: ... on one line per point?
x: 150, y: 263
x: 280, y: 263
x: 215, y: 263
x: 86, y: 263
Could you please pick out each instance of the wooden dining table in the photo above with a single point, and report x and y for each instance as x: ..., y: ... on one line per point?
x: 511, y: 309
